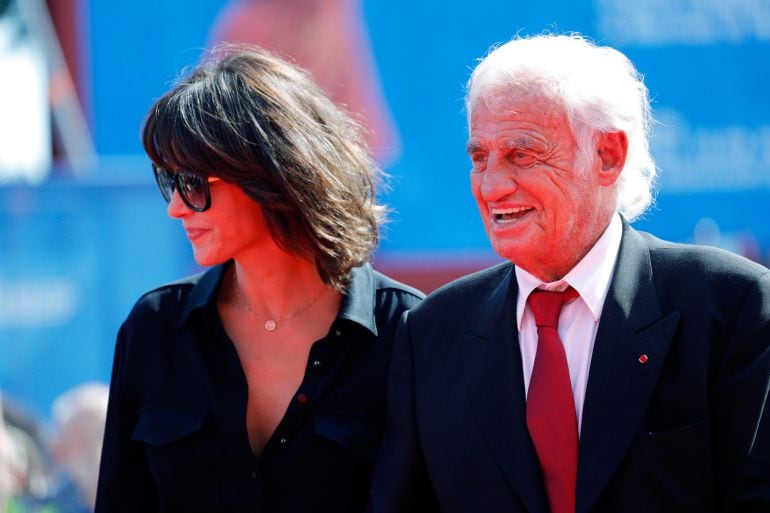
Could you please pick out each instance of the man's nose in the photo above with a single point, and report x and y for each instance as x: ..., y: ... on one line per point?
x: 498, y: 179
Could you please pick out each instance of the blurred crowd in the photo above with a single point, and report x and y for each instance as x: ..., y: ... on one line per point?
x: 52, y: 467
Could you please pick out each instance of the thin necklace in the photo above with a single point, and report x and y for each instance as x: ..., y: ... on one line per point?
x: 272, y: 324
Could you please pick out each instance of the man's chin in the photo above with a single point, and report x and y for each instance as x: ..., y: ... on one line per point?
x: 513, y: 251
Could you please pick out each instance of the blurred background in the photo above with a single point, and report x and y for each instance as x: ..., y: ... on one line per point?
x: 83, y: 229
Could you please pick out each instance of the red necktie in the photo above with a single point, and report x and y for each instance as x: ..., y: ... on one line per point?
x: 551, y: 417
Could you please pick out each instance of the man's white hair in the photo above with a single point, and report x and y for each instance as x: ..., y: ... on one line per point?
x: 599, y: 89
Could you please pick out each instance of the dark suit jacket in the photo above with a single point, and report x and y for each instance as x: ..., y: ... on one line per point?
x: 686, y: 431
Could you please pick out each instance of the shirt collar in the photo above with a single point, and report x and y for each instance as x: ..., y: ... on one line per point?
x: 590, y: 277
x: 204, y: 291
x: 357, y: 302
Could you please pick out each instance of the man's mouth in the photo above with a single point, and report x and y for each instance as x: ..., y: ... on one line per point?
x: 509, y: 215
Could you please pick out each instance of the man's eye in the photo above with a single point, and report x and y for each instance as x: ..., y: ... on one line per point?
x: 478, y: 157
x: 522, y: 158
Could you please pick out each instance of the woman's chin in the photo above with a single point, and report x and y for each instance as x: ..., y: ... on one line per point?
x: 208, y: 260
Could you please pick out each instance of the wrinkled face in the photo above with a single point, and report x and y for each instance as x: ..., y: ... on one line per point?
x: 538, y: 209
x: 232, y: 226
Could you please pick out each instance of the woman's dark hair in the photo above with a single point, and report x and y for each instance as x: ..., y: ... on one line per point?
x: 253, y: 119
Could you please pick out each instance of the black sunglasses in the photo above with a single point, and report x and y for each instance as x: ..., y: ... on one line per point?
x: 193, y: 189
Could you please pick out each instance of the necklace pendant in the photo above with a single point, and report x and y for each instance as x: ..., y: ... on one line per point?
x: 270, y: 325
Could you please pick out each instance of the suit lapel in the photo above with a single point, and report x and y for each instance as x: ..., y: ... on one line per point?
x: 494, y: 377
x: 621, y: 380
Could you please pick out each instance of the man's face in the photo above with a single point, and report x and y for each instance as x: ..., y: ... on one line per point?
x: 538, y: 209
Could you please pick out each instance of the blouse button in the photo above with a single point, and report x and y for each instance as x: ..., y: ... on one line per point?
x: 283, y: 441
x: 337, y: 333
x: 316, y: 363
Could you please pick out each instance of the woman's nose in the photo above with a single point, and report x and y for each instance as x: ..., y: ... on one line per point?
x: 176, y: 207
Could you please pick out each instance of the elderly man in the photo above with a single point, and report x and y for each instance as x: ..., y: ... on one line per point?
x: 601, y: 369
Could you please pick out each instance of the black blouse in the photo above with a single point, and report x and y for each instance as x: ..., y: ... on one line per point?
x: 176, y: 437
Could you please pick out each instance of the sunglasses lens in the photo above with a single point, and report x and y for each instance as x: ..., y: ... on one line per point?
x: 193, y: 189
x: 165, y: 182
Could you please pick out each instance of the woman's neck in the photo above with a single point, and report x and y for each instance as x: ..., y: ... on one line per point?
x: 276, y: 286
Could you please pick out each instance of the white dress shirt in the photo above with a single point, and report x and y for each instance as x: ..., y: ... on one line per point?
x: 579, y: 319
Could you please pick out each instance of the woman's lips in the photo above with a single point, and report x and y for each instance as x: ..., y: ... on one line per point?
x: 195, y: 233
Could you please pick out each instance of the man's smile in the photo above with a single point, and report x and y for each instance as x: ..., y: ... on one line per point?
x: 509, y: 215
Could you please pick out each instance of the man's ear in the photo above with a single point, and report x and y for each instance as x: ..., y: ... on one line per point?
x: 612, y: 149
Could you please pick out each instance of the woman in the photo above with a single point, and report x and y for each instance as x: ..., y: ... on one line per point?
x: 257, y: 386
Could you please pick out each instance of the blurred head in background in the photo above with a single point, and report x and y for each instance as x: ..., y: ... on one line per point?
x: 79, y: 416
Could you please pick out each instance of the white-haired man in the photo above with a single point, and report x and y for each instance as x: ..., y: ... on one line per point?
x: 601, y: 369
